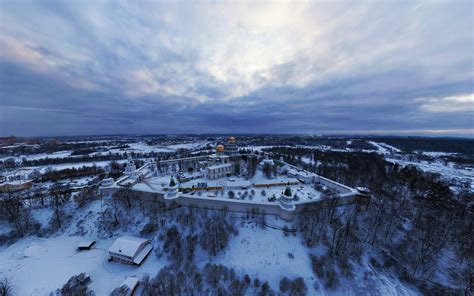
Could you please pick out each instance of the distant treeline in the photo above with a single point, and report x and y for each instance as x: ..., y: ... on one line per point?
x: 55, y: 147
x: 72, y: 173
x: 10, y: 163
x: 334, y: 143
x: 84, y: 151
x: 53, y: 161
x: 463, y: 160
x: 410, y: 144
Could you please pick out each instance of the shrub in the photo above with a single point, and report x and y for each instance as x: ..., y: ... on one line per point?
x: 77, y: 285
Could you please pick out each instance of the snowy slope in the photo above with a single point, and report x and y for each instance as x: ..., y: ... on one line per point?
x: 264, y: 253
x: 37, y: 266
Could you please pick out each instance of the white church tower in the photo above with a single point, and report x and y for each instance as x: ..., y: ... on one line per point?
x: 130, y: 167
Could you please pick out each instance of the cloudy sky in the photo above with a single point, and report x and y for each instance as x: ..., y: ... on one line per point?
x: 378, y: 67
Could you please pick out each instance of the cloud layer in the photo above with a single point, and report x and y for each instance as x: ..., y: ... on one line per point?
x: 93, y: 67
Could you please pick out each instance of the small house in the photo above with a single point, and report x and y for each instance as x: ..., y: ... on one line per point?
x: 85, y: 245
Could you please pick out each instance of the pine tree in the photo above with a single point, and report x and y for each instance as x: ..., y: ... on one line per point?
x: 172, y: 182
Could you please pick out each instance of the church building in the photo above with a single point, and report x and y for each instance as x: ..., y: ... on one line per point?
x: 223, y: 162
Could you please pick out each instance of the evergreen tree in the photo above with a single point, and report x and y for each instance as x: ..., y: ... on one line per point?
x: 172, y: 182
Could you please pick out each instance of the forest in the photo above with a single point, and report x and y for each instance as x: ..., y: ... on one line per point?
x: 413, y: 220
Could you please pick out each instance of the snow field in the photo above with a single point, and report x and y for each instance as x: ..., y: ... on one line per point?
x: 37, y: 266
x: 264, y: 253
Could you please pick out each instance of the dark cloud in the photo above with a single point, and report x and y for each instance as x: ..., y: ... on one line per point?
x: 102, y: 68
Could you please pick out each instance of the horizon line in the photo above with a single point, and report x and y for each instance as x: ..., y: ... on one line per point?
x: 347, y: 134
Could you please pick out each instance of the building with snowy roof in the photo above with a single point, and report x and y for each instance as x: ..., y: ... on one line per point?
x: 220, y: 170
x: 85, y: 245
x: 272, y: 182
x: 131, y: 284
x: 130, y: 250
x: 306, y: 177
x: 202, y: 181
x: 238, y: 185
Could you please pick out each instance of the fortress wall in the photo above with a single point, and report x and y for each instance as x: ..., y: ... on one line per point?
x: 347, y: 196
x: 340, y: 188
x: 244, y: 207
x: 227, y: 205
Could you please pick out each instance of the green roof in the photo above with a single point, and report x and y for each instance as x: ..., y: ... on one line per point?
x: 278, y: 163
x: 172, y: 182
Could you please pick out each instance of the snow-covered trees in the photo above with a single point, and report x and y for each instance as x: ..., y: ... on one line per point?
x: 124, y: 196
x: 6, y: 288
x: 216, y: 233
x: 296, y: 287
x: 115, y: 169
x: 55, y: 175
x: 252, y: 164
x: 213, y: 279
x: 410, y: 223
x: 225, y: 281
x: 14, y: 211
x: 84, y: 196
x: 175, y: 246
x: 324, y: 269
x: 267, y: 170
x: 77, y: 285
x: 181, y: 231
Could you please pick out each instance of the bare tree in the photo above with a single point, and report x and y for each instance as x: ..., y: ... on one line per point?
x: 6, y: 288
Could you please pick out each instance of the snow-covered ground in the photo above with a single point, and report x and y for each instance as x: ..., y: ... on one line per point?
x: 144, y: 147
x: 257, y: 148
x: 384, y: 148
x: 446, y: 170
x: 63, y: 166
x: 58, y: 154
x: 438, y: 154
x: 190, y: 146
x: 305, y: 192
x: 37, y: 266
x: 265, y: 253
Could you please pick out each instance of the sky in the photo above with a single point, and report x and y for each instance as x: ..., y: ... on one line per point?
x: 307, y: 67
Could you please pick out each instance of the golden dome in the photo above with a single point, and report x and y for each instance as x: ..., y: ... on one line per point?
x: 220, y: 148
x: 232, y: 140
